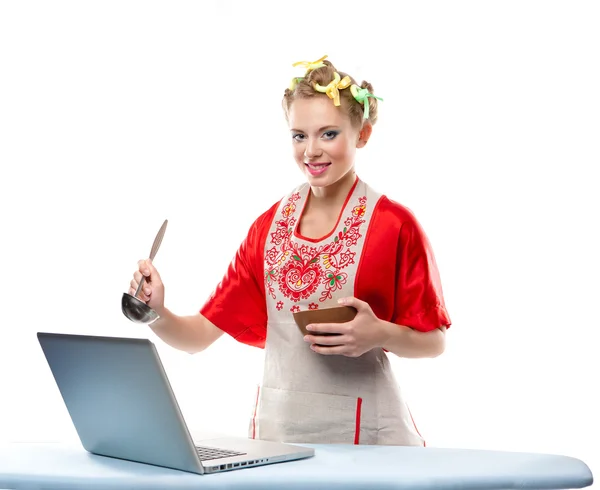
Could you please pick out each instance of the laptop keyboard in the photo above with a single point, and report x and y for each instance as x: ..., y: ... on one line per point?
x: 206, y: 453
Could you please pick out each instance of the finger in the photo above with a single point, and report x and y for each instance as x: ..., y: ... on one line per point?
x: 340, y: 328
x: 339, y: 350
x: 146, y: 268
x: 137, y: 277
x: 327, y: 340
x: 146, y: 287
x: 354, y: 302
x: 154, y: 276
x: 146, y: 290
x: 141, y: 296
x: 150, y: 266
x: 142, y: 266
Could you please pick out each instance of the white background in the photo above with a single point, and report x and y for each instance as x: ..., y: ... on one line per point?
x: 117, y: 115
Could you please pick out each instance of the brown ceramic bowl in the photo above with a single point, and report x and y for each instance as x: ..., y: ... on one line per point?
x: 338, y: 314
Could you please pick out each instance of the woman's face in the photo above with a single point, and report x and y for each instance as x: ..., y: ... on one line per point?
x: 324, y: 140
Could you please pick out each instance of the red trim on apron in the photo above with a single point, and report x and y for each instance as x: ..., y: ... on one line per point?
x: 358, y: 410
x: 298, y: 232
x: 413, y: 421
x: 254, y: 416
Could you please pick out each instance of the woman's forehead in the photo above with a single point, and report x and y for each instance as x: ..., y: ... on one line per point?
x: 316, y: 112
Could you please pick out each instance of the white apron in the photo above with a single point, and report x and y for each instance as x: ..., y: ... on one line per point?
x: 307, y: 397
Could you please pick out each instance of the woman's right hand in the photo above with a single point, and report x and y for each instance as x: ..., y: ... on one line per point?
x: 153, y: 289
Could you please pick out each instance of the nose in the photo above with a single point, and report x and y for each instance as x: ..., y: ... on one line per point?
x: 312, y: 149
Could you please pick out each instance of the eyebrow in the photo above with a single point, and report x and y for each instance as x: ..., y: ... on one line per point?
x: 331, y: 126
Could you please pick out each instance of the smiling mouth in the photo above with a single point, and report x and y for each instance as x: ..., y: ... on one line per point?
x: 318, y: 168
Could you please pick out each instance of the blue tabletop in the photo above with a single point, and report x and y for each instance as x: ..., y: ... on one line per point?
x: 69, y: 466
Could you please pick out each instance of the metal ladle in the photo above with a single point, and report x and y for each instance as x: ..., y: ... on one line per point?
x: 133, y: 308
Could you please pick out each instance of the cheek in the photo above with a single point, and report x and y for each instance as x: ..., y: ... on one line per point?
x: 298, y: 152
x: 341, y: 149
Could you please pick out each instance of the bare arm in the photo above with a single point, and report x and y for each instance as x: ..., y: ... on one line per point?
x: 368, y: 332
x: 407, y: 342
x: 187, y: 333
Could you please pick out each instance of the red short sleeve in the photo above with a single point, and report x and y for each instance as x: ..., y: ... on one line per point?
x: 238, y: 304
x: 419, y: 296
x: 398, y: 274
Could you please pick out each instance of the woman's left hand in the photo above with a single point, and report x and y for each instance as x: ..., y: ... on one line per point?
x: 356, y: 337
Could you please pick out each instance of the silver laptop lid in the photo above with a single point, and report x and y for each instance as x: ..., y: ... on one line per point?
x: 119, y: 398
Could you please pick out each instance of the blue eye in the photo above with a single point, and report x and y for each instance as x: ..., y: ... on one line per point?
x: 329, y: 135
x: 298, y: 137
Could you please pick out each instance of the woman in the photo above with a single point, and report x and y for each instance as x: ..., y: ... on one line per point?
x: 331, y: 241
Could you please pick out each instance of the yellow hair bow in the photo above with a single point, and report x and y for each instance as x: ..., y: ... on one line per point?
x: 333, y: 89
x: 311, y: 65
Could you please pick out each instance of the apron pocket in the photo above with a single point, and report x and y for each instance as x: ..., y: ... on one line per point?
x: 304, y: 417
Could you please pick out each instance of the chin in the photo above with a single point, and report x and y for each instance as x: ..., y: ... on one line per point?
x: 324, y: 185
x: 316, y: 182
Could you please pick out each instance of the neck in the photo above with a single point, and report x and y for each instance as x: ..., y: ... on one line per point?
x: 334, y: 193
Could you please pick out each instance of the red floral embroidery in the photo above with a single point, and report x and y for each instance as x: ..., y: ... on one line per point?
x: 289, y: 209
x: 295, y: 309
x: 313, y: 306
x: 271, y: 255
x: 280, y: 234
x: 298, y: 270
x: 359, y: 210
x: 334, y: 282
x: 299, y: 278
x: 279, y: 305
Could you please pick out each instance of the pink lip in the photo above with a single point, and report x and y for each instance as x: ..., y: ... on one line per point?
x: 317, y: 171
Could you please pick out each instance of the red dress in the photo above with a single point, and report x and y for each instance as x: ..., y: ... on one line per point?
x: 397, y: 275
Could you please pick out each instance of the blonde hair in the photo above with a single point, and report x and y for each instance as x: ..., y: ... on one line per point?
x: 323, y: 75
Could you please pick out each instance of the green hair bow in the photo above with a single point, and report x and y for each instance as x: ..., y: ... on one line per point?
x: 361, y: 95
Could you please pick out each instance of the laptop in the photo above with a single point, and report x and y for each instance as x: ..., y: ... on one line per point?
x: 122, y: 406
